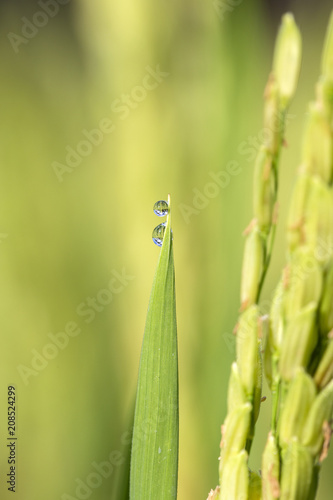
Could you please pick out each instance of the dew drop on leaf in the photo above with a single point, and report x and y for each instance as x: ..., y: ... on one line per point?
x: 161, y: 208
x: 158, y: 234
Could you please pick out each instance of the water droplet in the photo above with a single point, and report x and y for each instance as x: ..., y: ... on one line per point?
x: 158, y: 234
x: 161, y: 208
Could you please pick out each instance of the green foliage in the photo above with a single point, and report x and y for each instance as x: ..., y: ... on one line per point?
x: 154, y: 463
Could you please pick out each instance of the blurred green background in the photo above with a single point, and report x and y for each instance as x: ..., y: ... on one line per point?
x: 67, y: 229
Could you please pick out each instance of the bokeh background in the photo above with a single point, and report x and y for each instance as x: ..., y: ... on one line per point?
x: 67, y: 229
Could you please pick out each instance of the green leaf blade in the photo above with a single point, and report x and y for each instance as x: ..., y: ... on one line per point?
x: 154, y: 462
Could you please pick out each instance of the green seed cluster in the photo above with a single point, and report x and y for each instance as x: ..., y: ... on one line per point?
x: 244, y: 393
x: 299, y: 352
